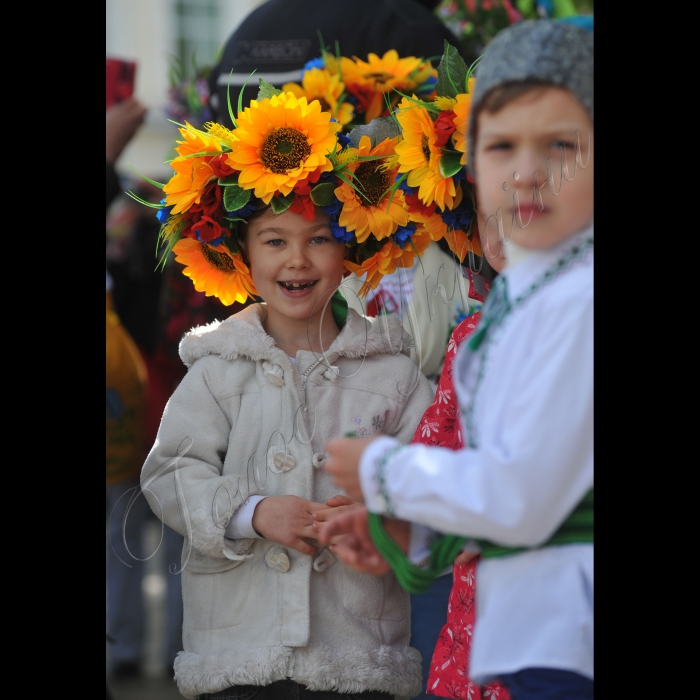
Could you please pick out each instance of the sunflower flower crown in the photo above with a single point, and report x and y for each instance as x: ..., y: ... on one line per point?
x: 389, y: 187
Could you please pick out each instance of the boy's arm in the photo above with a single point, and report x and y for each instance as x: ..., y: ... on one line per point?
x: 525, y: 479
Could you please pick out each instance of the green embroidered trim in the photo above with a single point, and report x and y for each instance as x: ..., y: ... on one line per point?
x: 497, y: 309
x: 381, y: 477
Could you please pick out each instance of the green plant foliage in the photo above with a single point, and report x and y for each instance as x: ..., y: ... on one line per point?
x: 449, y: 163
x: 235, y: 197
x: 267, y: 90
x: 281, y: 204
x: 322, y: 195
x: 452, y: 73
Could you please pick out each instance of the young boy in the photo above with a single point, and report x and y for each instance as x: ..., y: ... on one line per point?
x: 522, y: 488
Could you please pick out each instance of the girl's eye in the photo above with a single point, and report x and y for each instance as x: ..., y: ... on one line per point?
x: 320, y: 239
x: 563, y: 144
x: 500, y: 146
x: 275, y: 242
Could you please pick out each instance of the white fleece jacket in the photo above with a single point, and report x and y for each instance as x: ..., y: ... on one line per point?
x: 246, y: 421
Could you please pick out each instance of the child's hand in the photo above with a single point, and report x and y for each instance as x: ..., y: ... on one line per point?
x: 343, y: 462
x: 464, y: 558
x: 286, y: 520
x: 347, y: 535
x: 338, y: 504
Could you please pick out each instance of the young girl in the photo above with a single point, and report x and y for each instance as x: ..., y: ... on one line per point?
x: 236, y: 464
x: 521, y: 490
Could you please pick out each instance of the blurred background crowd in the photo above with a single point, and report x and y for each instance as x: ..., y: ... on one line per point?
x: 181, y: 53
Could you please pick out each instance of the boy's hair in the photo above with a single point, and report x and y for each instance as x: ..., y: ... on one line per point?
x: 527, y: 55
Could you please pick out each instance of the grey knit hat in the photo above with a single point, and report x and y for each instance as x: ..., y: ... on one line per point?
x: 549, y: 51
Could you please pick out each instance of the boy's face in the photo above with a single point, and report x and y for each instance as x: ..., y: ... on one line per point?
x: 513, y: 144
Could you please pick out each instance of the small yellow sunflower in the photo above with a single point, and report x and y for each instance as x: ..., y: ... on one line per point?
x: 185, y: 187
x: 319, y: 84
x: 372, y: 213
x: 419, y: 156
x: 461, y: 120
x: 197, y: 142
x: 215, y: 271
x: 385, y: 262
x: 369, y: 80
x: 281, y: 141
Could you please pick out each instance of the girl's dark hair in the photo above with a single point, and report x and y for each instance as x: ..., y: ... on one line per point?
x: 242, y: 228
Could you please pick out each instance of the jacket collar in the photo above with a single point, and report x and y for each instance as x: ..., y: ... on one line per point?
x: 243, y: 335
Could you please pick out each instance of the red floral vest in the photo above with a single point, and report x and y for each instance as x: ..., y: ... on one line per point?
x: 440, y: 426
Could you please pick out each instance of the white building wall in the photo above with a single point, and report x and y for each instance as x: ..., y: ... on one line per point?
x: 145, y: 31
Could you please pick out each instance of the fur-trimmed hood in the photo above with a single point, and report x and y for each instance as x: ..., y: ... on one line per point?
x: 243, y: 335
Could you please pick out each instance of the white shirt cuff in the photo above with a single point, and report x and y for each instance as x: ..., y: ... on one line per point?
x: 375, y: 496
x: 241, y: 524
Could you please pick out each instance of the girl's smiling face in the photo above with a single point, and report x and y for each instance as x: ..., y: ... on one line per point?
x: 296, y: 266
x: 514, y: 143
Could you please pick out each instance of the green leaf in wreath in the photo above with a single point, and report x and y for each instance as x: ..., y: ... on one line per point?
x: 229, y: 180
x: 452, y: 73
x: 235, y: 197
x: 267, y: 90
x: 281, y: 204
x: 450, y: 163
x: 322, y: 194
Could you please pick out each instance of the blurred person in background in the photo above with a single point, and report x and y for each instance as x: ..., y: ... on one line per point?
x: 279, y: 37
x: 126, y: 381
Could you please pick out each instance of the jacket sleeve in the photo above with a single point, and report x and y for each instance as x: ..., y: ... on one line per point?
x: 182, y: 476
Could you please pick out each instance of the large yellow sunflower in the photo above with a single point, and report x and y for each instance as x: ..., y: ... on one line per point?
x: 319, y: 84
x: 419, y: 156
x: 215, y: 271
x: 390, y: 257
x: 282, y: 140
x: 372, y: 213
x: 461, y: 120
x: 376, y: 76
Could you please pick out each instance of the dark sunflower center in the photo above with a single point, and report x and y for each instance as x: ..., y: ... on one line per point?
x: 373, y: 182
x: 285, y: 149
x: 379, y: 77
x: 325, y: 107
x: 426, y: 148
x: 217, y: 260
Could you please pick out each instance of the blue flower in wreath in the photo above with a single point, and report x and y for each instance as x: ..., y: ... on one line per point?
x: 163, y: 214
x: 403, y: 234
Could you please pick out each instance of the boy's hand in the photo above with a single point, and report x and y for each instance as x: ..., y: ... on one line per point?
x: 287, y: 520
x: 347, y: 535
x: 337, y: 505
x: 464, y: 558
x: 343, y: 462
